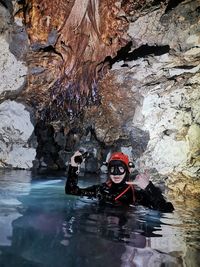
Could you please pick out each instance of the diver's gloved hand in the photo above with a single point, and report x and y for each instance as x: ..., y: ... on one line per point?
x: 76, y: 159
x: 141, y: 180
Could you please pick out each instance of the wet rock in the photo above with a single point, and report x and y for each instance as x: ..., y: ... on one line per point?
x: 165, y: 88
x: 139, y: 140
x: 18, y: 43
x: 5, y: 18
x: 16, y: 129
x: 70, y: 41
x: 12, y: 72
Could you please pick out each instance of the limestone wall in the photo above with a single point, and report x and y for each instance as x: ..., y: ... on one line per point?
x: 165, y: 78
x: 16, y: 127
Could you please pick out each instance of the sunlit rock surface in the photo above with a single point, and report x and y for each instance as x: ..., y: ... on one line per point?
x: 107, y: 75
x: 15, y: 123
x: 15, y: 130
x: 12, y: 72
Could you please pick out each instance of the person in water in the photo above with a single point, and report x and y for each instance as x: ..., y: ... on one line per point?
x: 118, y: 189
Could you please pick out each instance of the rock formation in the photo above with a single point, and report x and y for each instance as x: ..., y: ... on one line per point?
x: 104, y: 75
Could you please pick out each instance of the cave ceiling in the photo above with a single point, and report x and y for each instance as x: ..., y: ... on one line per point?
x: 71, y: 46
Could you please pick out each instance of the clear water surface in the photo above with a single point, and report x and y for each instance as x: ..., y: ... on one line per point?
x: 41, y: 226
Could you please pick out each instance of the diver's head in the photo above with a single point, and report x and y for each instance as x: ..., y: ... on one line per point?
x: 118, y: 167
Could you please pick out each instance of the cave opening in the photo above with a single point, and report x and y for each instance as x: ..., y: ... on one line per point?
x: 146, y: 50
x: 126, y: 54
x: 172, y: 4
x: 53, y: 146
x: 56, y: 145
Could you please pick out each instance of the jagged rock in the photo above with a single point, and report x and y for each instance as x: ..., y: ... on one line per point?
x: 15, y: 130
x: 5, y: 19
x: 18, y: 43
x: 69, y: 42
x: 177, y: 28
x: 12, y: 71
x: 165, y: 82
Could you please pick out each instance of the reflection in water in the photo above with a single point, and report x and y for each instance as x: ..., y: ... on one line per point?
x: 12, y: 184
x: 41, y: 226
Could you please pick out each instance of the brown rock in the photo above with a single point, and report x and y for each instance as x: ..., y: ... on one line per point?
x: 68, y: 40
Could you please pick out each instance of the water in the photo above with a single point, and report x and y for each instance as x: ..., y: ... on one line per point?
x: 41, y: 226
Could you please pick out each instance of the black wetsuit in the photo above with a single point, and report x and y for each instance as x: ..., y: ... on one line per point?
x: 121, y: 193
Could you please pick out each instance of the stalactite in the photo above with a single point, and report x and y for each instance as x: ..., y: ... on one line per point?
x: 76, y: 36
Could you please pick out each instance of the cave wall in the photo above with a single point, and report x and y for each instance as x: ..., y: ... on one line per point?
x: 162, y: 69
x: 103, y: 75
x: 16, y: 118
x: 159, y: 71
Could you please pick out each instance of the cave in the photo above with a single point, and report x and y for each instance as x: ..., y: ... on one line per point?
x: 99, y: 76
x: 121, y: 83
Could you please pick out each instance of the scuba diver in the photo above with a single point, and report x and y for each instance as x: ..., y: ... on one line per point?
x: 118, y: 189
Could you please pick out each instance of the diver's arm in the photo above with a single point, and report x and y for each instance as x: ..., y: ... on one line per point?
x: 156, y: 199
x: 72, y: 181
x: 150, y: 195
x: 71, y: 186
x: 99, y: 191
